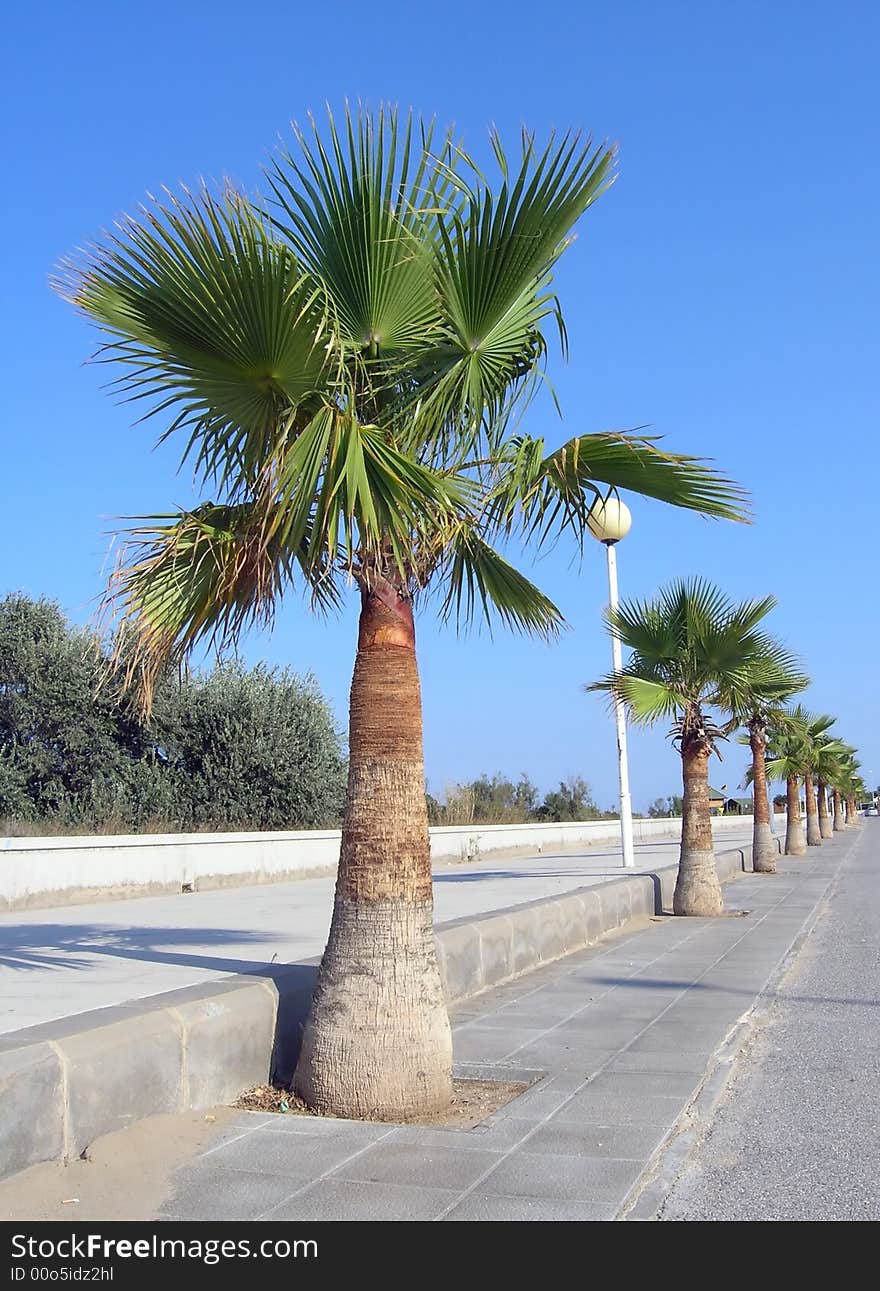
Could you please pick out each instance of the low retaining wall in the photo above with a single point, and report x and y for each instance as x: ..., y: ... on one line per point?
x: 44, y: 872
x: 64, y: 1083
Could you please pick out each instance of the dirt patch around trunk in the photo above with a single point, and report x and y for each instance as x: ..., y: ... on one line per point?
x: 472, y: 1102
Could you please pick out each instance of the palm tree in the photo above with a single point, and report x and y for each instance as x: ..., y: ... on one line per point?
x: 345, y: 366
x: 694, y: 651
x: 852, y: 788
x: 785, y: 760
x: 763, y: 713
x: 843, y: 773
x: 816, y: 745
x: 828, y: 767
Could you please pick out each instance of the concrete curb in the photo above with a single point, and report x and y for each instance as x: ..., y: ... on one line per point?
x: 64, y: 1083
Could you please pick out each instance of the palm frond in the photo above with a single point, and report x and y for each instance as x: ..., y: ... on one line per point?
x: 480, y: 583
x: 356, y: 210
x: 182, y: 578
x: 646, y: 700
x: 213, y: 323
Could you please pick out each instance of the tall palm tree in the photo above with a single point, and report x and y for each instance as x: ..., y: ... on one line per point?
x: 844, y: 772
x: 345, y: 366
x: 694, y: 653
x: 785, y: 759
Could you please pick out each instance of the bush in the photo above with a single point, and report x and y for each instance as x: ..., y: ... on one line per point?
x: 234, y: 749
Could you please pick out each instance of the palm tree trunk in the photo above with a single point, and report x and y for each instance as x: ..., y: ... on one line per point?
x: 795, y: 843
x: 838, y: 812
x: 852, y: 815
x: 814, y: 834
x: 697, y: 890
x: 763, y: 843
x: 825, y: 828
x: 377, y: 1044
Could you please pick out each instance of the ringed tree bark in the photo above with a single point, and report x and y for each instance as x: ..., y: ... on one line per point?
x: 795, y: 843
x: 377, y: 1044
x: 852, y: 815
x: 697, y: 890
x: 814, y: 834
x: 837, y: 799
x: 763, y: 843
x: 825, y: 827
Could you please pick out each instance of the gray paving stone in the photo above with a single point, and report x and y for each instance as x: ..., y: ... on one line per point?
x: 488, y: 1044
x: 412, y: 1165
x: 337, y: 1199
x: 623, y: 1142
x: 638, y: 1084
x: 427, y: 1136
x: 562, y: 1178
x: 203, y: 1193
x: 478, y: 1206
x: 297, y: 1156
x: 617, y: 1108
x: 316, y: 1127
x: 638, y: 1060
x: 679, y: 1036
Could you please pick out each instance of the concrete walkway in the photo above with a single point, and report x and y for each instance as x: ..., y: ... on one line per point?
x: 616, y: 1040
x: 62, y: 961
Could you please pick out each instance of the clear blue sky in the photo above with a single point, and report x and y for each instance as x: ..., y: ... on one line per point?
x: 725, y: 293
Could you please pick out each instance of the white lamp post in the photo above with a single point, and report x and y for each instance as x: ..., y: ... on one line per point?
x: 608, y: 522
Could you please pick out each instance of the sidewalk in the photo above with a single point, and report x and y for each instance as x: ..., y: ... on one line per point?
x: 617, y: 1040
x: 67, y: 960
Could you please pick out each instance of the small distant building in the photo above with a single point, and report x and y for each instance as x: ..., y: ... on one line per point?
x: 721, y: 805
x: 738, y: 807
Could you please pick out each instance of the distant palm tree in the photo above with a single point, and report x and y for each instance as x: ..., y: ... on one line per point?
x: 694, y: 652
x: 827, y: 767
x: 763, y: 712
x: 346, y: 367
x: 765, y: 724
x: 816, y: 744
x: 785, y: 761
x: 844, y: 772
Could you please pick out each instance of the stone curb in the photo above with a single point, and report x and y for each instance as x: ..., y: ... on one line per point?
x: 64, y: 1083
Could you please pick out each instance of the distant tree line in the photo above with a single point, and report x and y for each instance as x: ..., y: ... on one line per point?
x: 234, y: 748
x: 671, y: 806
x: 498, y: 800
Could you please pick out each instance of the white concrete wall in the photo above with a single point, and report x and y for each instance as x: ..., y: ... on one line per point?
x: 59, y: 871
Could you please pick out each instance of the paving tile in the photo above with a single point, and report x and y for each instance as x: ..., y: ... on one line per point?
x: 562, y: 1178
x: 478, y: 1206
x: 203, y: 1193
x: 413, y: 1165
x: 336, y: 1199
x: 427, y: 1136
x: 619, y: 1108
x: 639, y: 1060
x: 297, y: 1156
x: 490, y: 1045
x: 623, y: 1142
x: 638, y: 1084
x: 319, y: 1127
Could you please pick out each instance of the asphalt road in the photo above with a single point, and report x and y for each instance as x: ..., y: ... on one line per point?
x: 797, y: 1135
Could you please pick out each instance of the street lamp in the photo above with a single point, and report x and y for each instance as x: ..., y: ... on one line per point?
x: 608, y: 522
